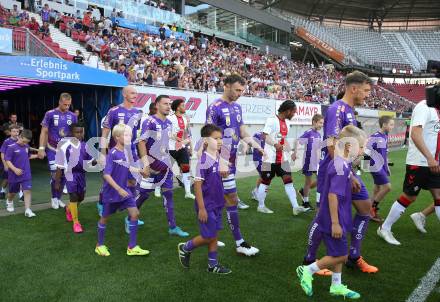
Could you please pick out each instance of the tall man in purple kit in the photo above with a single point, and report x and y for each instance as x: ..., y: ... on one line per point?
x: 126, y: 114
x: 55, y: 126
x: 226, y: 114
x: 154, y: 151
x: 339, y: 115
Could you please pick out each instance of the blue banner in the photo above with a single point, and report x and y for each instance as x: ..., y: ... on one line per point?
x: 5, y: 40
x: 154, y: 30
x: 57, y: 70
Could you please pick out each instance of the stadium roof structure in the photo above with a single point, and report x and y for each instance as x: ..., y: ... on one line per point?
x: 358, y: 10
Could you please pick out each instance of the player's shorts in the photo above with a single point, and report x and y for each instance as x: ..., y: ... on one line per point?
x: 306, y: 172
x: 77, y: 184
x: 417, y: 178
x: 229, y: 184
x: 50, y: 154
x: 380, y: 178
x: 363, y: 193
x: 162, y: 179
x: 212, y: 225
x: 181, y: 156
x: 14, y: 187
x: 335, y: 247
x: 269, y: 172
x: 112, y: 207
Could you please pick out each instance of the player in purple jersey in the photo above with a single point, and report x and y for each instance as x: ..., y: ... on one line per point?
x: 54, y: 127
x: 379, y: 144
x: 116, y: 195
x: 226, y: 113
x: 334, y: 217
x: 19, y: 171
x: 126, y: 114
x: 71, y: 160
x: 339, y: 115
x: 312, y: 139
x: 14, y: 131
x: 209, y: 201
x: 153, y: 148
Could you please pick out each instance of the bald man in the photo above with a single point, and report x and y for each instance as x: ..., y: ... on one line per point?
x: 54, y: 127
x: 124, y: 113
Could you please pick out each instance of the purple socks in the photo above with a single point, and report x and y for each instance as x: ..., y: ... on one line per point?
x: 189, y: 246
x: 168, y: 204
x: 212, y: 259
x: 233, y: 222
x: 101, y: 233
x: 360, y: 226
x: 313, y: 242
x: 133, y: 226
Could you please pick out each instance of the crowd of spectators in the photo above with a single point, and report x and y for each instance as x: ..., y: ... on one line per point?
x: 201, y: 63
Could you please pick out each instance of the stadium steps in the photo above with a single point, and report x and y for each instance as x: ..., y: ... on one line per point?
x: 66, y: 42
x: 400, y: 46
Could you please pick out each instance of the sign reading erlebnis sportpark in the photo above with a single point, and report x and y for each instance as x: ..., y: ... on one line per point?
x: 57, y: 70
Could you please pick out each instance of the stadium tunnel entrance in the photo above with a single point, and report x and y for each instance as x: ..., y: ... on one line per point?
x: 30, y: 86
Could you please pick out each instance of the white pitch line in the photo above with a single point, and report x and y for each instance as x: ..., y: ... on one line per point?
x: 427, y: 284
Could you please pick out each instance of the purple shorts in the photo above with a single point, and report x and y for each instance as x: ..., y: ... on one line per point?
x: 163, y: 180
x: 363, y: 193
x: 306, y: 172
x: 77, y: 184
x: 380, y: 178
x: 14, y: 187
x: 112, y: 207
x: 212, y: 225
x: 50, y: 154
x: 335, y: 247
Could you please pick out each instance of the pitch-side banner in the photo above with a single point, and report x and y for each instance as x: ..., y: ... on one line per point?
x: 195, y: 102
x: 304, y: 112
x: 255, y: 110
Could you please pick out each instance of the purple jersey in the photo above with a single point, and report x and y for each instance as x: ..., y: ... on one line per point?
x: 116, y: 166
x: 121, y: 115
x: 156, y: 133
x: 338, y: 115
x: 313, y: 139
x: 379, y: 143
x: 8, y: 142
x: 18, y: 155
x: 212, y: 188
x: 256, y: 155
x: 338, y: 182
x: 229, y: 117
x: 58, y: 124
x: 71, y: 157
x: 45, y: 15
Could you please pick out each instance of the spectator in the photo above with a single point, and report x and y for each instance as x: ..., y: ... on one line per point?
x: 13, y: 121
x: 45, y: 13
x: 123, y: 70
x: 78, y: 14
x: 172, y: 79
x: 52, y: 16
x: 44, y: 30
x: 87, y: 21
x: 78, y: 58
x: 33, y: 25
x: 162, y: 31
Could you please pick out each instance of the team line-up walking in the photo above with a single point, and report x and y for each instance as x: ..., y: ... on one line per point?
x: 137, y: 152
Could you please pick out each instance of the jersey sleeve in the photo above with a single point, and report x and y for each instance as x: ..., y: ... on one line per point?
x: 9, y: 154
x: 200, y: 170
x: 46, y: 120
x: 334, y: 121
x: 338, y: 181
x: 61, y: 157
x: 108, y: 164
x: 108, y: 120
x: 269, y: 127
x: 211, y: 115
x: 419, y: 116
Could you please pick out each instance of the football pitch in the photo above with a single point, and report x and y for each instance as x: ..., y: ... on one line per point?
x: 41, y: 259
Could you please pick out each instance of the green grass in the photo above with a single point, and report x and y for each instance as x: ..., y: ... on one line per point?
x: 42, y: 260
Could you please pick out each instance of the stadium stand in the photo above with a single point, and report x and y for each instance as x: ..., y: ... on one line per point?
x: 202, y: 63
